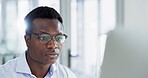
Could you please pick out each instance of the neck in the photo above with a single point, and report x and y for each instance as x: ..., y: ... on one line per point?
x: 38, y: 69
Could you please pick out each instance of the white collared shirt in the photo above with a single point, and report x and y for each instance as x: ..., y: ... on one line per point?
x: 18, y: 68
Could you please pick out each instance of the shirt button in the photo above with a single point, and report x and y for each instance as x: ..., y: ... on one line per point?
x: 51, y: 73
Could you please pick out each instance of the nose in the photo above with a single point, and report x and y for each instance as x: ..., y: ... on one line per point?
x: 52, y: 44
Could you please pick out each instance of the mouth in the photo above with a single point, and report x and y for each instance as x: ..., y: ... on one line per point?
x: 51, y: 55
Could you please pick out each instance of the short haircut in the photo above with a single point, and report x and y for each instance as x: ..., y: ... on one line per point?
x: 40, y: 12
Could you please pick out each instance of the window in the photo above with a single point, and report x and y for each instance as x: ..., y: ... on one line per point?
x: 0, y: 23
x: 74, y: 23
x: 51, y: 3
x: 10, y: 26
x: 84, y: 37
x: 107, y: 15
x: 91, y: 20
x: 20, y: 23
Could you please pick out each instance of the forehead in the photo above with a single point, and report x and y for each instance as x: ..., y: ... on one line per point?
x: 47, y: 25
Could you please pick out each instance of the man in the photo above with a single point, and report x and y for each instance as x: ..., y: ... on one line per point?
x: 44, y: 38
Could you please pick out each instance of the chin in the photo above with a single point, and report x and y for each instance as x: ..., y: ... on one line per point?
x: 52, y: 61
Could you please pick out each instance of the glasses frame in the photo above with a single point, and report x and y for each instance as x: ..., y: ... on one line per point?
x: 52, y: 37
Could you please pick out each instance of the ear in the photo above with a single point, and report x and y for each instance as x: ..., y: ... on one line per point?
x: 27, y: 40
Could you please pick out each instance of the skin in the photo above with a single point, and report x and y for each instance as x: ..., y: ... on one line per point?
x: 41, y: 56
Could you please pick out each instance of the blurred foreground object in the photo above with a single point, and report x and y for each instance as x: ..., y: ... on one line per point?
x: 126, y: 54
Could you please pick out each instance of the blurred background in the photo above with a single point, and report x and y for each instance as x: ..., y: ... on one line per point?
x: 87, y: 23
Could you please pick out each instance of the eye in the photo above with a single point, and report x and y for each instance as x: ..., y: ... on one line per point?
x: 44, y: 37
x: 60, y: 38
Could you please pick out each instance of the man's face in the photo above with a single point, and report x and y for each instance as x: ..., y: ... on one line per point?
x: 44, y: 53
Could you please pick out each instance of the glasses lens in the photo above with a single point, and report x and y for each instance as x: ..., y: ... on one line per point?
x: 44, y: 38
x: 60, y: 38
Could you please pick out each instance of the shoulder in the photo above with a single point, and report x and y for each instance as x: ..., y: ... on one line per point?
x: 7, y: 68
x: 65, y: 70
x: 9, y: 64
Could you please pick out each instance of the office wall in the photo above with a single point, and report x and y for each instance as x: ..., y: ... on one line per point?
x: 136, y: 13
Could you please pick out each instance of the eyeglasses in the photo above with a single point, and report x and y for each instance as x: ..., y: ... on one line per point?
x: 45, y: 38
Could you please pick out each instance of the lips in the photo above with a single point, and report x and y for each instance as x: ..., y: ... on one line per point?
x: 52, y: 55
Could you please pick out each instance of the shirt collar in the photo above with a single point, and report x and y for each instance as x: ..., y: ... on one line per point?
x: 22, y: 65
x: 53, y: 68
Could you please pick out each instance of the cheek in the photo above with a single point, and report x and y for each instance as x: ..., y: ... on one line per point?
x: 36, y: 47
x: 37, y: 52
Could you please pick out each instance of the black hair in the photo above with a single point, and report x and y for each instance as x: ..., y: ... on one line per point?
x: 40, y: 12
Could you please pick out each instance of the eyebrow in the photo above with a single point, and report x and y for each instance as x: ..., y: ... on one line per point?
x: 44, y: 32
